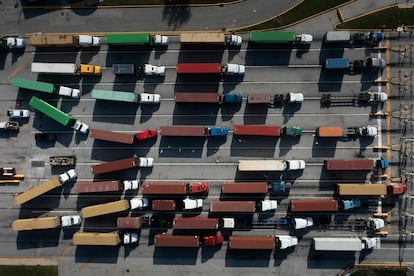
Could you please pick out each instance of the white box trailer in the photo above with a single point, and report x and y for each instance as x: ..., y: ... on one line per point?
x: 337, y: 244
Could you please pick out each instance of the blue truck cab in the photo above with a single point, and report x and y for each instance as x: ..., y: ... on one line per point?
x: 382, y: 163
x: 232, y: 98
x: 350, y: 204
x: 217, y: 131
x: 279, y: 186
x: 375, y: 37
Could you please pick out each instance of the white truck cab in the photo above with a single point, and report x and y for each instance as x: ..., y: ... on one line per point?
x: 190, y: 203
x: 294, y: 98
x: 66, y: 221
x: 305, y: 38
x: 69, y: 92
x: 146, y: 162
x: 295, y: 164
x: 234, y: 40
x: 130, y: 185
x: 15, y: 42
x: 138, y: 203
x: 160, y: 40
x: 234, y: 69
x: 267, y: 205
x: 67, y: 176
x: 129, y: 238
x: 302, y: 223
x: 89, y: 41
x: 378, y: 96
x: 286, y: 241
x: 148, y: 98
x: 152, y: 70
x: 81, y: 127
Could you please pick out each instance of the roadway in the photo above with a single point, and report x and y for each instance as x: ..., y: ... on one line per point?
x: 210, y: 159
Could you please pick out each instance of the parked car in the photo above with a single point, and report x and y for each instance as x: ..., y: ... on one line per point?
x: 18, y: 113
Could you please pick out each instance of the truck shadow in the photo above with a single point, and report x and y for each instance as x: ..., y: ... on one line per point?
x: 247, y: 258
x: 286, y: 144
x: 255, y: 114
x: 187, y: 147
x: 253, y: 146
x: 101, y: 254
x: 172, y: 256
x: 195, y: 114
x: 214, y: 143
x: 324, y: 147
x: 38, y: 238
x: 106, y: 111
x: 267, y: 54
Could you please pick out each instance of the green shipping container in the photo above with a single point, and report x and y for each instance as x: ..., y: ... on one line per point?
x: 115, y: 96
x: 272, y: 37
x: 128, y: 39
x: 51, y: 111
x: 33, y: 85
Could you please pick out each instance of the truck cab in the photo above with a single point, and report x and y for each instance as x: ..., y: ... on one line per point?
x: 378, y: 97
x: 70, y: 92
x: 374, y: 38
x: 146, y: 162
x: 160, y: 40
x: 152, y: 70
x: 130, y: 184
x: 146, y: 134
x: 376, y: 63
x: 350, y: 204
x: 10, y: 125
x: 294, y: 98
x: 267, y: 205
x: 370, y: 243
x: 280, y: 186
x: 138, y: 203
x: 190, y: 204
x: 375, y: 223
x: 286, y: 241
x: 292, y: 131
x: 232, y: 98
x: 12, y: 42
x: 295, y: 164
x: 217, y: 131
x: 70, y: 220
x: 234, y: 40
x: 397, y: 188
x: 67, y: 176
x: 213, y: 240
x: 86, y: 69
x: 304, y: 38
x: 148, y: 98
x: 382, y: 163
x: 234, y: 69
x: 369, y: 131
x: 89, y: 41
x: 301, y: 223
x: 198, y: 187
x: 80, y: 126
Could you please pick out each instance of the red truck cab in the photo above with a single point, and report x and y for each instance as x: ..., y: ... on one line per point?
x: 397, y: 188
x: 198, y: 187
x: 146, y: 134
x: 213, y: 240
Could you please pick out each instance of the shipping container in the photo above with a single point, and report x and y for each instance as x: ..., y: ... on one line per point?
x: 349, y: 165
x: 232, y: 206
x: 36, y: 223
x: 202, y: 37
x: 193, y: 97
x: 105, y: 208
x: 160, y: 188
x: 37, y: 190
x: 50, y: 40
x: 198, y: 68
x: 337, y: 244
x: 128, y: 39
x: 98, y: 186
x: 338, y: 36
x: 85, y: 238
x: 167, y: 240
x: 258, y: 99
x: 164, y: 205
x: 362, y: 189
x: 272, y: 37
x: 51, y: 111
x: 129, y: 222
x: 251, y: 242
x: 33, y: 85
x: 115, y: 165
x: 119, y: 96
x: 244, y: 188
x: 194, y: 131
x: 106, y: 135
x: 201, y: 223
x: 330, y: 132
x: 314, y: 205
x: 262, y: 165
x: 257, y: 130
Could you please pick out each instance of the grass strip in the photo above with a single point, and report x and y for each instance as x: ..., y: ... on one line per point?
x: 26, y: 270
x: 159, y: 2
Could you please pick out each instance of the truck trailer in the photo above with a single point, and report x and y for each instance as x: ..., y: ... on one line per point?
x: 363, y: 189
x: 191, y: 38
x: 105, y: 239
x: 135, y: 39
x: 45, y: 87
x: 345, y: 37
x: 279, y: 37
x: 356, y: 164
x: 167, y: 240
x: 255, y: 187
x: 270, y: 165
x: 65, y: 68
x: 121, y: 96
x: 202, y: 223
x: 210, y: 68
x: 173, y: 188
x: 138, y: 70
x: 337, y: 132
x: 105, y: 186
x: 257, y: 130
x: 163, y: 205
x: 217, y: 206
x: 45, y: 223
x: 129, y: 222
x: 194, y: 97
x: 64, y: 40
x: 251, y: 242
x: 193, y: 131
x: 112, y: 136
x: 122, y: 164
x: 344, y: 244
x: 114, y: 207
x: 368, y: 98
x: 314, y: 205
x: 371, y: 63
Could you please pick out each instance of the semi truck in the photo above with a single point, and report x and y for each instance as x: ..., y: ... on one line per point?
x: 210, y: 68
x: 45, y: 187
x: 45, y: 87
x: 193, y: 131
x: 371, y: 63
x: 114, y: 207
x: 11, y: 42
x: 279, y: 37
x: 363, y: 189
x: 112, y: 136
x: 63, y: 40
x: 168, y: 240
x: 190, y: 38
x: 255, y: 187
x: 45, y: 223
x: 105, y: 239
x: 262, y: 242
x: 361, y: 99
x: 194, y: 97
x: 356, y: 164
x: 345, y: 37
x: 266, y: 130
x: 344, y: 244
x: 270, y: 165
x: 121, y: 96
x: 122, y: 164
x: 136, y: 39
x: 105, y: 186
x: 266, y: 98
x: 337, y: 132
x: 65, y: 68
x: 138, y: 70
x: 163, y: 205
x: 174, y: 188
x: 58, y: 115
